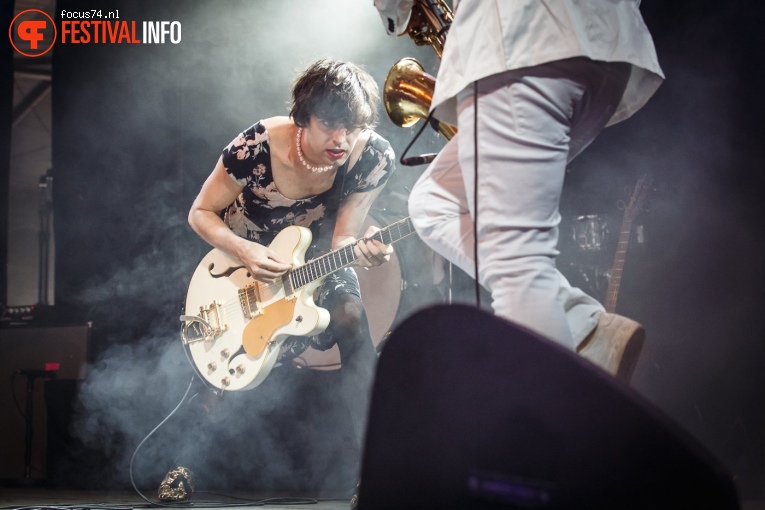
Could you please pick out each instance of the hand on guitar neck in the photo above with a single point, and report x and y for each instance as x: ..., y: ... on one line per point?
x: 370, y: 251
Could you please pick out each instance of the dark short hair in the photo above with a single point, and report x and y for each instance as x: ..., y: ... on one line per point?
x: 338, y: 93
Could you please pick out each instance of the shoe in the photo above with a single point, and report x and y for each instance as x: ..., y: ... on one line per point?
x: 614, y: 345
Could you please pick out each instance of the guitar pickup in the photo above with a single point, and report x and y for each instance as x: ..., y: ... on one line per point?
x: 248, y: 300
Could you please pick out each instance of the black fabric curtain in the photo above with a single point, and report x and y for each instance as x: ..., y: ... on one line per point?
x: 6, y: 112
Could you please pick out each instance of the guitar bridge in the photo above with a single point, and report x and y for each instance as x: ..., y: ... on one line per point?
x: 207, y: 326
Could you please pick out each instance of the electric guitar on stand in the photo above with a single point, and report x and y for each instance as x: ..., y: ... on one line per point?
x: 235, y: 339
x: 633, y: 208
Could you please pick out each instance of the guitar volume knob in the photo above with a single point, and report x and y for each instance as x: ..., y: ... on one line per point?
x: 225, y: 382
x: 225, y: 353
x: 212, y: 366
x: 240, y: 369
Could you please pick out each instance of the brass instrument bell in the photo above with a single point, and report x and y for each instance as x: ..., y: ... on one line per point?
x: 408, y: 89
x: 407, y: 94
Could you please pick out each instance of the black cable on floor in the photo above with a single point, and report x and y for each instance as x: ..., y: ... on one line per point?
x: 135, y: 452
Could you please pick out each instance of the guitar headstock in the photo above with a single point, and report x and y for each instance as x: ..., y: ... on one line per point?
x: 639, y: 193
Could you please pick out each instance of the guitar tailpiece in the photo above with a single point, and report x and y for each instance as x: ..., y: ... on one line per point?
x: 190, y: 320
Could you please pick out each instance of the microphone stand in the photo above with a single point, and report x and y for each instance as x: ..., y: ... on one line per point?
x: 45, y: 211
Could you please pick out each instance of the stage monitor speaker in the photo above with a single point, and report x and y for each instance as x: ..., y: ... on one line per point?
x: 470, y: 411
x: 41, y: 353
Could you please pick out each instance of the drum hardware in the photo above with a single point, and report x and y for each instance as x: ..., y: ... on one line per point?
x: 594, y: 275
x: 593, y: 278
x: 590, y: 232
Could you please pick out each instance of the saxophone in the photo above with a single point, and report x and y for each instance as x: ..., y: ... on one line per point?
x: 408, y: 89
x: 429, y: 22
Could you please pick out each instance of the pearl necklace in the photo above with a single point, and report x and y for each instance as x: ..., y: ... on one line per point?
x: 302, y: 159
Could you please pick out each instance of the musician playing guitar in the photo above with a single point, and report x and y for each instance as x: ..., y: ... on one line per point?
x: 320, y: 168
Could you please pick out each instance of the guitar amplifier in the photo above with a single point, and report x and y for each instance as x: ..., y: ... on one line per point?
x: 37, y: 354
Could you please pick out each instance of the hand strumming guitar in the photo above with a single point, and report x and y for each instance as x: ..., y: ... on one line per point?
x: 262, y: 262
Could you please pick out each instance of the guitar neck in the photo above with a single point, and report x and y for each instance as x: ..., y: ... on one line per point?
x: 638, y: 195
x: 345, y: 256
x: 618, y: 266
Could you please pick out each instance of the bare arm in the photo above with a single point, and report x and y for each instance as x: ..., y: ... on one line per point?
x: 350, y: 218
x: 218, y: 192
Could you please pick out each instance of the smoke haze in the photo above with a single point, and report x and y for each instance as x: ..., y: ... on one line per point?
x: 138, y: 129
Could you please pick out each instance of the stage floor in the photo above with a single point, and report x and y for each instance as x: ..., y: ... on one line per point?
x: 31, y: 498
x: 80, y: 499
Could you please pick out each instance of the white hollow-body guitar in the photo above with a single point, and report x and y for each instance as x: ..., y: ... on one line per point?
x: 235, y: 338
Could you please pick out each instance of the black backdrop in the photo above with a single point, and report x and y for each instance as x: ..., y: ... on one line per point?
x: 6, y: 114
x: 137, y: 129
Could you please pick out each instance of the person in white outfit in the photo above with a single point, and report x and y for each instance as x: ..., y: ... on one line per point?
x: 529, y: 84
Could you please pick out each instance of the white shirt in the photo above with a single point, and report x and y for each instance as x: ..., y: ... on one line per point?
x: 492, y: 36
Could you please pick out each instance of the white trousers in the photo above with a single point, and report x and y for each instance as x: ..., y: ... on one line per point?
x: 530, y: 123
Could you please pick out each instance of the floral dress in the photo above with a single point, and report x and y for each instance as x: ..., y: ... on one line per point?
x: 260, y: 212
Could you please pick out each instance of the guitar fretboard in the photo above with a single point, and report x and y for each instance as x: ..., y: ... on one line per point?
x: 615, y: 280
x: 618, y: 266
x: 345, y: 256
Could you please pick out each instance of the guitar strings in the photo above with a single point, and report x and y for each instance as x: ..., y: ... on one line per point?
x: 308, y: 270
